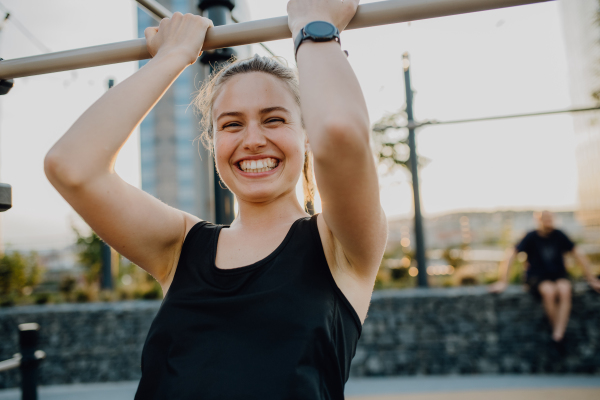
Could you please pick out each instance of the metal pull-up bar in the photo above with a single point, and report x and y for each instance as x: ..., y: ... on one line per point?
x: 372, y: 14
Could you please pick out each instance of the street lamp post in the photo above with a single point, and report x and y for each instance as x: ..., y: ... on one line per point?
x: 414, y: 170
x: 217, y: 11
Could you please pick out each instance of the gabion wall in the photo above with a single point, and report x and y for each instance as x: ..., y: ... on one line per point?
x: 431, y: 331
x: 469, y: 331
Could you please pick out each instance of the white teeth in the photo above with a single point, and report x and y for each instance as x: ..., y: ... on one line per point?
x: 255, y: 166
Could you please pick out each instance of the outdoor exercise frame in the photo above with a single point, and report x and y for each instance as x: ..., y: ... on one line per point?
x: 372, y: 14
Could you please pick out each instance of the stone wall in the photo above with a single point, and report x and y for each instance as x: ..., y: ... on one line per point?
x: 94, y: 342
x: 465, y: 330
x: 434, y: 331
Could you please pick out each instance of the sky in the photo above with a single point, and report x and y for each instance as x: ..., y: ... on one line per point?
x: 468, y: 66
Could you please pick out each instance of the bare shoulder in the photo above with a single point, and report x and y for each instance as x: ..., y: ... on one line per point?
x: 356, y: 288
x: 189, y: 221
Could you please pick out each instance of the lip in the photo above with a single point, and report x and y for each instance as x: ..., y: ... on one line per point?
x: 257, y: 174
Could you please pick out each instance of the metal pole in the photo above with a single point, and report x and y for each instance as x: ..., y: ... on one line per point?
x: 372, y: 14
x: 217, y: 11
x: 106, y: 279
x: 156, y: 9
x: 414, y: 170
x: 30, y: 359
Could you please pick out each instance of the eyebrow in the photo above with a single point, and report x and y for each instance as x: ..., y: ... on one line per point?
x: 261, y: 111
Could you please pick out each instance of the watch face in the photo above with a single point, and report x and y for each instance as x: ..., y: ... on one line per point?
x: 320, y: 29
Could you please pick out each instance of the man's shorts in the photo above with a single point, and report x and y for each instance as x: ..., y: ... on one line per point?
x: 533, y: 281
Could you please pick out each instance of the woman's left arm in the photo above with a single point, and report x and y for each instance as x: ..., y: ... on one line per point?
x: 337, y: 124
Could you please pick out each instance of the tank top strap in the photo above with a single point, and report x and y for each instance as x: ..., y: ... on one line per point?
x: 195, y: 252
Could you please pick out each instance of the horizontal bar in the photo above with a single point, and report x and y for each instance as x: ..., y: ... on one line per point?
x: 158, y: 12
x: 372, y: 14
x: 381, y: 128
x: 11, y: 363
x: 462, y: 121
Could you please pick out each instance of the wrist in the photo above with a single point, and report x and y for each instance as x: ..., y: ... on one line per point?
x: 175, y: 57
x: 297, y: 26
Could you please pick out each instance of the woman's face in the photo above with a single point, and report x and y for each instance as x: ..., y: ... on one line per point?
x: 258, y: 139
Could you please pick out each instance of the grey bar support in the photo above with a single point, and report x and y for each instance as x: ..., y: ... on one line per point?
x: 372, y: 14
x: 5, y: 196
x: 157, y: 10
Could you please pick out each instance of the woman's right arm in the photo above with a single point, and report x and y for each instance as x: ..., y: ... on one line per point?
x: 81, y: 164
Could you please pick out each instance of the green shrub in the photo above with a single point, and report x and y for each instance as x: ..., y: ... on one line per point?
x: 42, y: 298
x: 18, y: 271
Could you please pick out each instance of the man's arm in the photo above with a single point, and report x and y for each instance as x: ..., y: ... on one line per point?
x: 587, y: 269
x: 504, y: 269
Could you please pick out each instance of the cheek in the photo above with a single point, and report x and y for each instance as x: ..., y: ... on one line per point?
x: 223, y: 149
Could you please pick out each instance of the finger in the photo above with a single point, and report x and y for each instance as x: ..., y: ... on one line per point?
x: 150, y: 32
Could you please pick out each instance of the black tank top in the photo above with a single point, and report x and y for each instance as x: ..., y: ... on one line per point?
x: 276, y: 329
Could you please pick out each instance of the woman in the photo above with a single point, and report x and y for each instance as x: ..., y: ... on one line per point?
x: 272, y: 306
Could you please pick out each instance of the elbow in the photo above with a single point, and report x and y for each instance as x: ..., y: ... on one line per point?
x: 60, y: 174
x: 349, y: 137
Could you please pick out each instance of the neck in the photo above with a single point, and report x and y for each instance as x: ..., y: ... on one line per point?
x: 282, y: 210
x: 545, y: 231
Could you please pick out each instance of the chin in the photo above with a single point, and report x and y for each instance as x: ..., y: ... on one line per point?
x: 259, y: 194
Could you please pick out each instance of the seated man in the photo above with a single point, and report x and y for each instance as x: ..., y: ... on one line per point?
x: 546, y: 273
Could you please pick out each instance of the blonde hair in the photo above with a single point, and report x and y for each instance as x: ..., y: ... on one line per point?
x: 204, y: 100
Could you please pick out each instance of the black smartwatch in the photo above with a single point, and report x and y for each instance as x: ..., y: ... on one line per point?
x: 317, y: 31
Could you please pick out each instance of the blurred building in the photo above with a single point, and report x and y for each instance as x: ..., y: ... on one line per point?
x: 481, y: 230
x: 176, y: 168
x: 581, y: 23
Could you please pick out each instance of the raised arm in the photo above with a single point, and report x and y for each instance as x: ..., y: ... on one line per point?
x: 81, y: 164
x: 338, y: 129
x: 582, y: 260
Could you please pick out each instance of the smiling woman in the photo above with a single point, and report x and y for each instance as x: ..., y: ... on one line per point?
x: 276, y: 301
x: 261, y: 74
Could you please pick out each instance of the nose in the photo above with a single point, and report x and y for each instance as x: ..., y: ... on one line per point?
x: 254, y: 138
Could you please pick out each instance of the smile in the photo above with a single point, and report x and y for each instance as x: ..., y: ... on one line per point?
x: 256, y: 166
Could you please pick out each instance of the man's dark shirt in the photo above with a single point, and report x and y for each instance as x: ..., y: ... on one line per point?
x: 545, y: 254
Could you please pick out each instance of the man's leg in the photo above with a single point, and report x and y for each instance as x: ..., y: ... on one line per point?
x: 549, y: 292
x: 563, y: 310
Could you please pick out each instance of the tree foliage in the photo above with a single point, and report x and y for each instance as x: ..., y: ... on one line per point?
x: 17, y: 272
x: 89, y: 255
x: 390, y: 140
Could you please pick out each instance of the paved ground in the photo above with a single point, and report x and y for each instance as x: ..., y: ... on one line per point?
x: 490, y: 387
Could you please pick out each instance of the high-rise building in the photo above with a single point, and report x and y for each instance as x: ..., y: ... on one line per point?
x: 581, y: 23
x: 176, y: 168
